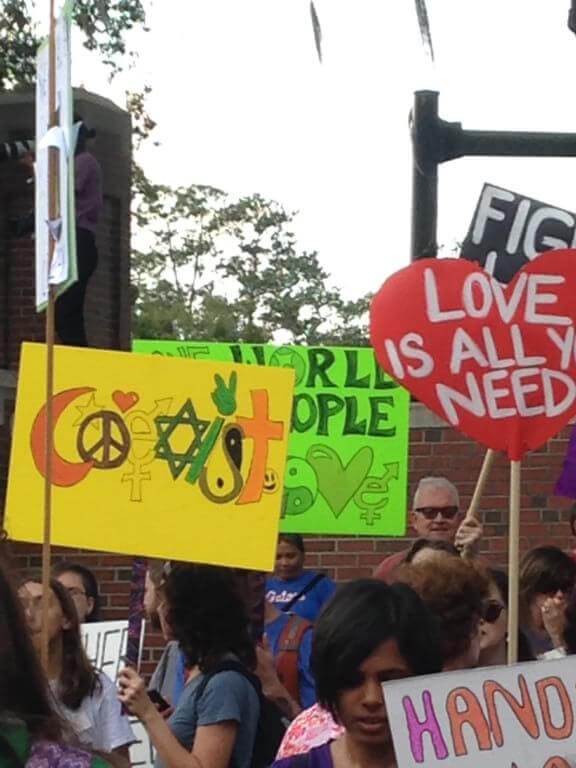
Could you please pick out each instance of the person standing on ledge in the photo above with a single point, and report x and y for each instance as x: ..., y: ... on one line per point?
x: 69, y: 308
x: 292, y: 588
x: 436, y: 516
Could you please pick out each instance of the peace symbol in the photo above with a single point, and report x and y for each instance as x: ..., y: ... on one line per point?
x: 109, y: 451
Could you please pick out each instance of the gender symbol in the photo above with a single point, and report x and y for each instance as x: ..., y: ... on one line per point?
x: 107, y: 452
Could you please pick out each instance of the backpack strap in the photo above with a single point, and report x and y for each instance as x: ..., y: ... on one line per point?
x: 288, y: 652
x: 304, y: 591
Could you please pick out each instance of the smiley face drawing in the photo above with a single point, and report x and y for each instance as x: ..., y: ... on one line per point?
x: 300, y: 487
x: 271, y: 483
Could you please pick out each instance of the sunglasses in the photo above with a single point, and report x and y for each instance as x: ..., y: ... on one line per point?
x: 491, y: 611
x: 431, y: 513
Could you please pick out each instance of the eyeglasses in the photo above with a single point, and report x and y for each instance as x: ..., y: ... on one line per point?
x: 431, y: 513
x: 491, y: 611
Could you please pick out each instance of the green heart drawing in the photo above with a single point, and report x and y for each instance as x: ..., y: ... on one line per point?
x: 336, y: 482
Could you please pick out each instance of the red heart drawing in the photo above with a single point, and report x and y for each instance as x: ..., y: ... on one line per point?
x: 125, y: 400
x: 497, y: 362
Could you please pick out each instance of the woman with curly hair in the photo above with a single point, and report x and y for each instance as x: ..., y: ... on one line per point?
x: 31, y: 732
x: 215, y: 721
x: 454, y: 591
x: 85, y: 698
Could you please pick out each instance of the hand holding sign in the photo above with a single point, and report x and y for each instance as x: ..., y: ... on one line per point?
x: 497, y: 362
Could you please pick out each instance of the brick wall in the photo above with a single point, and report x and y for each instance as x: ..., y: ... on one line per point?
x: 434, y: 449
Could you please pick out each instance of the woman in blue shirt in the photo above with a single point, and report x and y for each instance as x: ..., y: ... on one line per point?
x: 214, y: 724
x: 292, y: 588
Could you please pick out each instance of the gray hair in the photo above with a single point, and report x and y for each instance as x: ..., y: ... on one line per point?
x: 437, y: 482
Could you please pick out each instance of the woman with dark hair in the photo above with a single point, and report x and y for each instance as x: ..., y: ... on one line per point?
x: 69, y: 307
x: 215, y: 721
x: 370, y: 633
x: 426, y: 550
x: 494, y: 625
x: 82, y: 587
x: 31, y: 733
x: 293, y: 589
x: 547, y: 577
x: 454, y: 591
x: 85, y: 698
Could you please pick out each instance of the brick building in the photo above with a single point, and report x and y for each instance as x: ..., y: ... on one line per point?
x: 434, y: 447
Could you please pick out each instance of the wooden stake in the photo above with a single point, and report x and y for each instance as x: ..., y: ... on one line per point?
x: 49, y: 447
x: 472, y: 512
x: 513, y: 562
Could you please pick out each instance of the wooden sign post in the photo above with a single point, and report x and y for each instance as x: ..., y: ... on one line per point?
x: 53, y: 193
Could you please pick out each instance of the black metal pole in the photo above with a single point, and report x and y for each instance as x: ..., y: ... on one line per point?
x: 424, y: 175
x: 435, y: 141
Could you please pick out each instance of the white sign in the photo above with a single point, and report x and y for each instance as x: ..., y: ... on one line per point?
x: 105, y: 645
x: 502, y: 717
x: 61, y: 137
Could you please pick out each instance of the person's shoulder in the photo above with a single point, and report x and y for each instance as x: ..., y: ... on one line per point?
x: 105, y: 687
x: 230, y: 680
x: 326, y: 584
x: 317, y: 756
x: 86, y: 163
x: 389, y: 564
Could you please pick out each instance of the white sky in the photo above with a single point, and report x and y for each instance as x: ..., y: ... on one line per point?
x: 242, y: 103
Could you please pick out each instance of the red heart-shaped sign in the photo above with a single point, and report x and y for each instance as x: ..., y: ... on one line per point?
x: 125, y: 400
x: 497, y: 362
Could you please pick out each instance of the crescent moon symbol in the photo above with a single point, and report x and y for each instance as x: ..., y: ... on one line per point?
x: 64, y: 473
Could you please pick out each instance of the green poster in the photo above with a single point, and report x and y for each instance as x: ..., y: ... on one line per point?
x: 348, y: 451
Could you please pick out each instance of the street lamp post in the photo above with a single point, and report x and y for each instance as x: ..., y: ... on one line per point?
x: 435, y: 141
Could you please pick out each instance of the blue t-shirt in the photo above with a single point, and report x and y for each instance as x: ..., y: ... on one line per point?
x: 281, y: 591
x: 227, y: 696
x: 306, y: 686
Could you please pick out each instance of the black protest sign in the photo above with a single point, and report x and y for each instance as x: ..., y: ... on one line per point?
x: 508, y: 230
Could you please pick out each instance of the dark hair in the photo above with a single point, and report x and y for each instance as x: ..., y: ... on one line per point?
x: 84, y: 134
x: 570, y: 626
x: 453, y: 589
x: 544, y: 570
x: 437, y: 546
x: 24, y: 693
x: 78, y: 677
x: 207, y: 615
x: 361, y: 616
x: 500, y: 579
x: 294, y: 539
x: 88, y: 581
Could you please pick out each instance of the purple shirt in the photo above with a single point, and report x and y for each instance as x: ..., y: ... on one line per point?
x: 319, y: 757
x: 88, y: 183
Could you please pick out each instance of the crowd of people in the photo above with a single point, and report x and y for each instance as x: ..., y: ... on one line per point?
x: 294, y: 682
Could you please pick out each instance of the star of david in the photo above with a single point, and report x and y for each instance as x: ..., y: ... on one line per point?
x: 165, y: 426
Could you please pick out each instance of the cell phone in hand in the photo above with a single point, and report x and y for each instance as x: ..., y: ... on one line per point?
x: 158, y: 700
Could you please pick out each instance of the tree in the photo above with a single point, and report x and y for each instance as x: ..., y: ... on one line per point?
x: 230, y: 270
x: 103, y: 22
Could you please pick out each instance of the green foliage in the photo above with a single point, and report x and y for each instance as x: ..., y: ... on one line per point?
x: 103, y: 22
x: 226, y: 269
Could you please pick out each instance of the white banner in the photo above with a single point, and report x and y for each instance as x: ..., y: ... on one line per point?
x: 105, y: 645
x: 498, y: 717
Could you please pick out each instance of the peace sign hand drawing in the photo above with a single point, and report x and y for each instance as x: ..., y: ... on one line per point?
x: 224, y: 397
